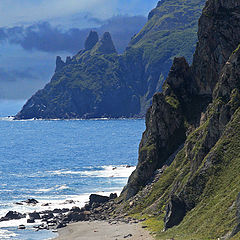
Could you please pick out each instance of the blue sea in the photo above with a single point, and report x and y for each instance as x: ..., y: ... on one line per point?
x: 56, y: 161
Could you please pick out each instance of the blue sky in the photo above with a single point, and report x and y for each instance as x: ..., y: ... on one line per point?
x: 23, y: 12
x: 34, y: 32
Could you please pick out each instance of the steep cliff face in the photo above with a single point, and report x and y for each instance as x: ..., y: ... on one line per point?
x: 97, y: 82
x: 192, y: 135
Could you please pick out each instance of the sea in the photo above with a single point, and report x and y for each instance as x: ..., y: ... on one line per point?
x: 60, y: 160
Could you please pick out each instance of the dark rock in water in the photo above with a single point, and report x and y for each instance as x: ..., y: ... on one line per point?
x: 34, y: 215
x: 45, y: 204
x: 95, y: 198
x: 69, y: 202
x: 30, y: 220
x: 21, y: 227
x: 57, y: 210
x: 91, y: 40
x: 31, y: 201
x: 113, y: 196
x: 47, y: 216
x: 175, y: 212
x: 64, y: 210
x: 12, y: 215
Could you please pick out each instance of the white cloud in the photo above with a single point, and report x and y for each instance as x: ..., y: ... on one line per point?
x: 14, y: 12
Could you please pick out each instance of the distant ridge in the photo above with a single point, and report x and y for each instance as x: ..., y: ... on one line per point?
x: 97, y: 82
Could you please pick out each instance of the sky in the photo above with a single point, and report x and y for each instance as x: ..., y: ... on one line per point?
x: 34, y: 32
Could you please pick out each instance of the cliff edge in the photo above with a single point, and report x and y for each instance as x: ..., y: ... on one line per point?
x: 191, y: 142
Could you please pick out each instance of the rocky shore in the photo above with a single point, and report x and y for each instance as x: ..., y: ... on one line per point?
x: 99, y: 208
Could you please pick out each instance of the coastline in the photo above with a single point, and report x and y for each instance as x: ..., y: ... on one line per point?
x: 103, y: 230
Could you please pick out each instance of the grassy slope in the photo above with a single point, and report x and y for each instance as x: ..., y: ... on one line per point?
x: 170, y: 32
x: 214, y: 215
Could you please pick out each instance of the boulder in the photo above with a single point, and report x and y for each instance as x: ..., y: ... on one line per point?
x: 12, y: 215
x: 75, y: 217
x: 31, y: 201
x: 75, y: 209
x: 30, y: 220
x: 113, y: 196
x: 95, y: 198
x: 21, y: 227
x: 34, y: 215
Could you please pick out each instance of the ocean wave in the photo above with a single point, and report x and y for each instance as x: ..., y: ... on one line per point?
x: 5, y: 234
x: 122, y: 171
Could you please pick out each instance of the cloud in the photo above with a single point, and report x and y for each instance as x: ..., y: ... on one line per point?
x: 14, y: 12
x: 45, y: 37
x: 14, y: 75
x: 19, y: 84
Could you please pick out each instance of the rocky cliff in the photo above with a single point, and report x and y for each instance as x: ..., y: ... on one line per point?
x: 191, y: 142
x: 97, y: 82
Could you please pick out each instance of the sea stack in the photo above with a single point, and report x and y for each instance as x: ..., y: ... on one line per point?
x: 105, y: 45
x: 91, y: 40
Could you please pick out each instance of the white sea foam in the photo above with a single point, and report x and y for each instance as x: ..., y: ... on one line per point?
x: 105, y: 171
x: 5, y: 234
x: 65, y: 202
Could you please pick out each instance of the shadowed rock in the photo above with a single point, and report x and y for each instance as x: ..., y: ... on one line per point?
x: 105, y: 45
x: 91, y: 40
x: 175, y: 212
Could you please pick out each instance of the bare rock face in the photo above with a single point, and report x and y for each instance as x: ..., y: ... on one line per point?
x: 91, y: 40
x: 59, y: 64
x: 165, y: 130
x: 197, y: 108
x: 105, y: 45
x: 219, y: 36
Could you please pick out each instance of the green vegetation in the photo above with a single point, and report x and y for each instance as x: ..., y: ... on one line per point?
x: 93, y: 77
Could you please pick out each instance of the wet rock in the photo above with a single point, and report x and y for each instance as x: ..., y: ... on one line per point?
x: 21, y: 227
x: 12, y: 215
x: 69, y: 202
x: 47, y: 216
x: 31, y: 201
x: 57, y: 210
x: 30, y: 220
x: 45, y: 204
x: 35, y: 215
